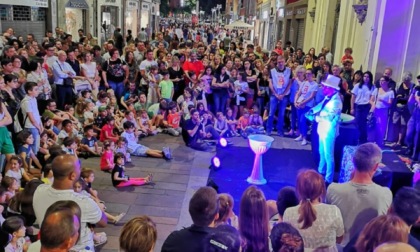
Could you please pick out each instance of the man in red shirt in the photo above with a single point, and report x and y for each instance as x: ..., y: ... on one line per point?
x: 193, y: 65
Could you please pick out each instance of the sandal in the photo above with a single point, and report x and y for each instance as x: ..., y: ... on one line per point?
x: 149, y: 178
x: 118, y: 218
x: 99, y: 239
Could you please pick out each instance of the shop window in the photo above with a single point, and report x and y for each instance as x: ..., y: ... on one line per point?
x: 6, y: 13
x: 39, y: 14
x: 22, y: 13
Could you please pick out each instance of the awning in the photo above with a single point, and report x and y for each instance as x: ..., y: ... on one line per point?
x: 239, y: 25
x: 78, y: 4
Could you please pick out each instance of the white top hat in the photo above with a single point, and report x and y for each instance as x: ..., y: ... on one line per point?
x: 332, y: 81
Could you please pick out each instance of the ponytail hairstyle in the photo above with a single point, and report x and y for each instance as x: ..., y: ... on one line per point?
x: 81, y: 106
x: 225, y: 207
x: 310, y: 186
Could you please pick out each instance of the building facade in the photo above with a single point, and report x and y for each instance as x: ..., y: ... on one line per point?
x: 384, y: 34
x: 296, y: 18
x: 25, y: 16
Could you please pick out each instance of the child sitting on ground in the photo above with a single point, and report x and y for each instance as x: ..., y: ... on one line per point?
x: 232, y: 122
x: 44, y: 146
x: 221, y: 125
x: 48, y: 176
x: 14, y: 226
x: 243, y: 123
x: 11, y: 185
x: 174, y: 119
x: 16, y: 171
x: 87, y: 177
x: 70, y: 146
x: 122, y: 148
x: 88, y: 114
x: 107, y: 131
x: 67, y: 131
x: 136, y: 149
x: 99, y: 121
x: 28, y: 157
x: 119, y: 179
x: 107, y: 158
x: 89, y: 143
x: 145, y: 124
x: 255, y: 123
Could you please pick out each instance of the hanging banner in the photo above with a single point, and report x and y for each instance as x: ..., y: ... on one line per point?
x: 31, y: 3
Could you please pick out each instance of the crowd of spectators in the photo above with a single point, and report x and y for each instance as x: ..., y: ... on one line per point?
x: 61, y: 100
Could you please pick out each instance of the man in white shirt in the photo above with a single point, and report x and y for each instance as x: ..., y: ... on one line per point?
x: 145, y: 68
x: 66, y: 170
x: 360, y: 200
x: 32, y: 119
x: 140, y: 52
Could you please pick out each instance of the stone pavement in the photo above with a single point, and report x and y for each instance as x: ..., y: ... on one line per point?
x: 166, y: 202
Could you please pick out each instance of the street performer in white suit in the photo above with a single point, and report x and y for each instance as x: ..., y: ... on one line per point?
x: 327, y: 115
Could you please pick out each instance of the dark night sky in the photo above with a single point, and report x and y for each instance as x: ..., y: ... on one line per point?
x: 206, y: 5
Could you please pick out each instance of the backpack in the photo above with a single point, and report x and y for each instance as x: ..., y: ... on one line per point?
x: 19, y: 121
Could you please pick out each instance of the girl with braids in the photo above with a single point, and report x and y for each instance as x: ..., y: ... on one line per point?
x: 285, y: 238
x: 320, y: 225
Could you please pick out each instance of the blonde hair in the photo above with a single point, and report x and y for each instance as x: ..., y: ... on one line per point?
x: 300, y: 68
x: 138, y: 235
x: 225, y: 206
x: 384, y: 228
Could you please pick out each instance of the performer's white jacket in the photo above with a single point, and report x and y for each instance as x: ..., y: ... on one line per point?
x: 329, y: 117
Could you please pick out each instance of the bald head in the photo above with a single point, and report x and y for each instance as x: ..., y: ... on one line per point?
x: 64, y: 165
x: 394, y: 247
x: 60, y: 230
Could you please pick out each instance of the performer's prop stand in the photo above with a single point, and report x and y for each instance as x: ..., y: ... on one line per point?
x: 259, y: 144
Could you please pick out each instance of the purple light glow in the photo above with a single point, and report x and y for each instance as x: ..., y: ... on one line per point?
x: 223, y: 142
x: 215, y: 161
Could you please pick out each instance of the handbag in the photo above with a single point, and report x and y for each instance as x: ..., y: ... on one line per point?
x: 66, y: 81
x: 371, y: 118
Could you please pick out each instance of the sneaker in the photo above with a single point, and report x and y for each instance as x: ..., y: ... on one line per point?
x: 159, y: 130
x: 118, y: 218
x: 244, y: 135
x: 167, y: 153
x: 142, y: 135
x: 304, y: 142
x: 299, y: 138
x: 154, y: 132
